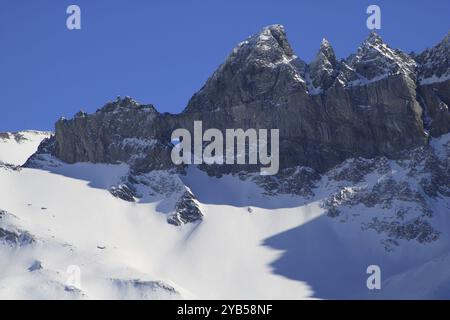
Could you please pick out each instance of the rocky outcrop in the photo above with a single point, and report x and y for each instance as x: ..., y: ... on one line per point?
x: 434, y: 86
x: 124, y: 191
x: 11, y: 235
x: 398, y: 199
x: 143, y: 289
x: 298, y: 181
x: 434, y: 63
x: 323, y: 71
x: 187, y: 210
x: 374, y: 103
x: 7, y: 166
x: 121, y: 131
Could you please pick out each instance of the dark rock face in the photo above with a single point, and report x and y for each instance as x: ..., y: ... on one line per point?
x: 370, y: 104
x: 16, y: 237
x: 186, y: 210
x: 124, y: 192
x: 17, y: 136
x: 376, y: 60
x: 262, y: 68
x: 121, y: 131
x: 435, y: 62
x: 416, y: 229
x: 434, y: 86
x: 435, y: 98
x: 324, y: 70
x: 398, y: 198
x: 7, y: 166
x: 296, y: 180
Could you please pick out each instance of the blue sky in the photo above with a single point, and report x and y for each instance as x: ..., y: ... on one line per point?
x: 162, y: 52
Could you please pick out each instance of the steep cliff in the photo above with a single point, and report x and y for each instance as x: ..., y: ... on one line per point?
x: 377, y: 102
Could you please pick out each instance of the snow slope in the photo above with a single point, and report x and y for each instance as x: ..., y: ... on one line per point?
x: 16, y: 147
x: 249, y: 245
x: 109, y: 238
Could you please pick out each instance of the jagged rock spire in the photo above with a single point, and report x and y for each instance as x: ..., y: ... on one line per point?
x: 260, y: 85
x: 327, y: 51
x: 269, y: 45
x: 324, y: 68
x: 248, y: 73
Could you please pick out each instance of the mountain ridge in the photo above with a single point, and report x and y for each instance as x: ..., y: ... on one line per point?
x: 370, y: 104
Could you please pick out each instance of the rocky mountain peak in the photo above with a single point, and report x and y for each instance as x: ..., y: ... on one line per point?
x: 375, y: 60
x: 435, y: 62
x: 278, y: 33
x: 369, y: 105
x: 324, y: 69
x: 373, y: 39
x: 125, y: 103
x: 326, y: 51
x: 262, y: 65
x: 269, y: 46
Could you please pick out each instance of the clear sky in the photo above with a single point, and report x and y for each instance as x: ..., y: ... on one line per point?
x: 162, y: 52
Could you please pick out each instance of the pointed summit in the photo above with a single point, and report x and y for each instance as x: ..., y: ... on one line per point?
x: 323, y: 70
x: 375, y: 60
x: 279, y: 34
x: 374, y: 38
x: 325, y: 43
x: 271, y: 37
x: 326, y: 51
x: 248, y: 74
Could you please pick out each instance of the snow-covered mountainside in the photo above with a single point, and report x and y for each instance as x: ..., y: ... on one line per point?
x: 297, y: 235
x: 16, y: 147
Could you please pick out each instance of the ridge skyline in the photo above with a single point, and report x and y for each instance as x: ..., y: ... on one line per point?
x: 371, y: 36
x: 48, y: 71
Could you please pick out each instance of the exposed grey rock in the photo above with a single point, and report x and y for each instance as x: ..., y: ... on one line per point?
x: 17, y: 136
x: 434, y: 86
x: 376, y: 60
x: 369, y: 106
x: 157, y: 183
x: 355, y: 169
x: 324, y: 69
x: 435, y: 62
x: 121, y: 131
x: 261, y: 68
x: 8, y: 166
x: 124, y: 191
x: 416, y: 229
x: 186, y: 210
x: 435, y: 100
x: 46, y: 147
x: 142, y: 289
x: 16, y: 237
x: 74, y: 291
x: 36, y: 265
